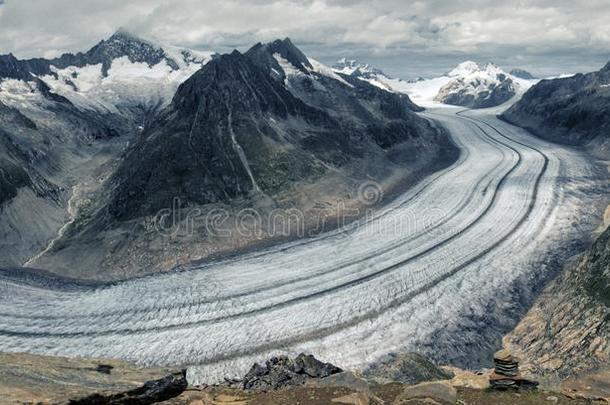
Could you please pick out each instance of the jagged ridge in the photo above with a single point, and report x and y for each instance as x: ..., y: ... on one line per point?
x: 573, y: 110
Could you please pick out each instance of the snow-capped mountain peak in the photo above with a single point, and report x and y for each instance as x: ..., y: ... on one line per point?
x: 464, y: 69
x: 468, y: 84
x: 476, y: 86
x: 123, y: 71
x: 468, y: 68
x: 353, y: 67
x: 286, y: 62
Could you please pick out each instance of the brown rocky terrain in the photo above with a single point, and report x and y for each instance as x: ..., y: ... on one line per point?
x: 28, y: 379
x: 567, y: 331
x: 31, y: 379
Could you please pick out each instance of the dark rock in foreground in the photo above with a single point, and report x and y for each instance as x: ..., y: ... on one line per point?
x: 151, y: 392
x: 279, y: 372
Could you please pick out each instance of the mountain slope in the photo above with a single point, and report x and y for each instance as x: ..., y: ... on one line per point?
x: 568, y: 329
x: 573, y: 110
x: 268, y: 129
x: 43, y: 140
x: 64, y: 121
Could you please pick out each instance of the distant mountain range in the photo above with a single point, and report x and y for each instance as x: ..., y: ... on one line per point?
x: 354, y: 68
x: 467, y: 85
x: 98, y: 143
x: 123, y: 75
x: 476, y: 86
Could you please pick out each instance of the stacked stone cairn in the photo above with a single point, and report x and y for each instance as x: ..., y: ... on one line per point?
x: 506, y: 373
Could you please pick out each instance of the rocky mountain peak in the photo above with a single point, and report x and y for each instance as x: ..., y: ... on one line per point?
x: 10, y: 67
x: 123, y: 43
x: 287, y: 50
x: 238, y: 82
x: 606, y: 68
x: 270, y: 56
x: 123, y: 34
x: 522, y: 74
x: 469, y: 67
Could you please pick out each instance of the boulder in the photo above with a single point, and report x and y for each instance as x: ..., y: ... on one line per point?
x: 152, y: 391
x: 308, y: 364
x: 282, y: 371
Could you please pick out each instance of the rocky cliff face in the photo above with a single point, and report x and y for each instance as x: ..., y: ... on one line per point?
x: 568, y: 329
x: 267, y: 129
x: 573, y: 110
x: 46, y: 146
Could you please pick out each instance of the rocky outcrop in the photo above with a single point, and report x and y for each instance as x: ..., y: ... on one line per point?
x: 151, y: 392
x: 572, y: 110
x: 567, y: 331
x: 408, y: 368
x: 282, y: 371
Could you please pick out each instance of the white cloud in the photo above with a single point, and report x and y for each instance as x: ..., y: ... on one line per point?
x: 439, y: 27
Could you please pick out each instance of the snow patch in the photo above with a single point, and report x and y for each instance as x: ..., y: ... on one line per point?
x: 326, y: 71
x: 288, y: 68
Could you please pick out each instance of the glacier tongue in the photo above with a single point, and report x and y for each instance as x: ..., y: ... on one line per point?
x: 465, y: 247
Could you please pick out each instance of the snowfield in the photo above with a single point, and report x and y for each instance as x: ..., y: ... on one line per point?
x: 127, y: 83
x: 445, y: 269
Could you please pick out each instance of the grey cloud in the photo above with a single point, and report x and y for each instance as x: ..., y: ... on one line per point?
x: 406, y: 38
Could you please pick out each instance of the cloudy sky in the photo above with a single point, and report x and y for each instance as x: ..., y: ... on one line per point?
x: 405, y: 38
